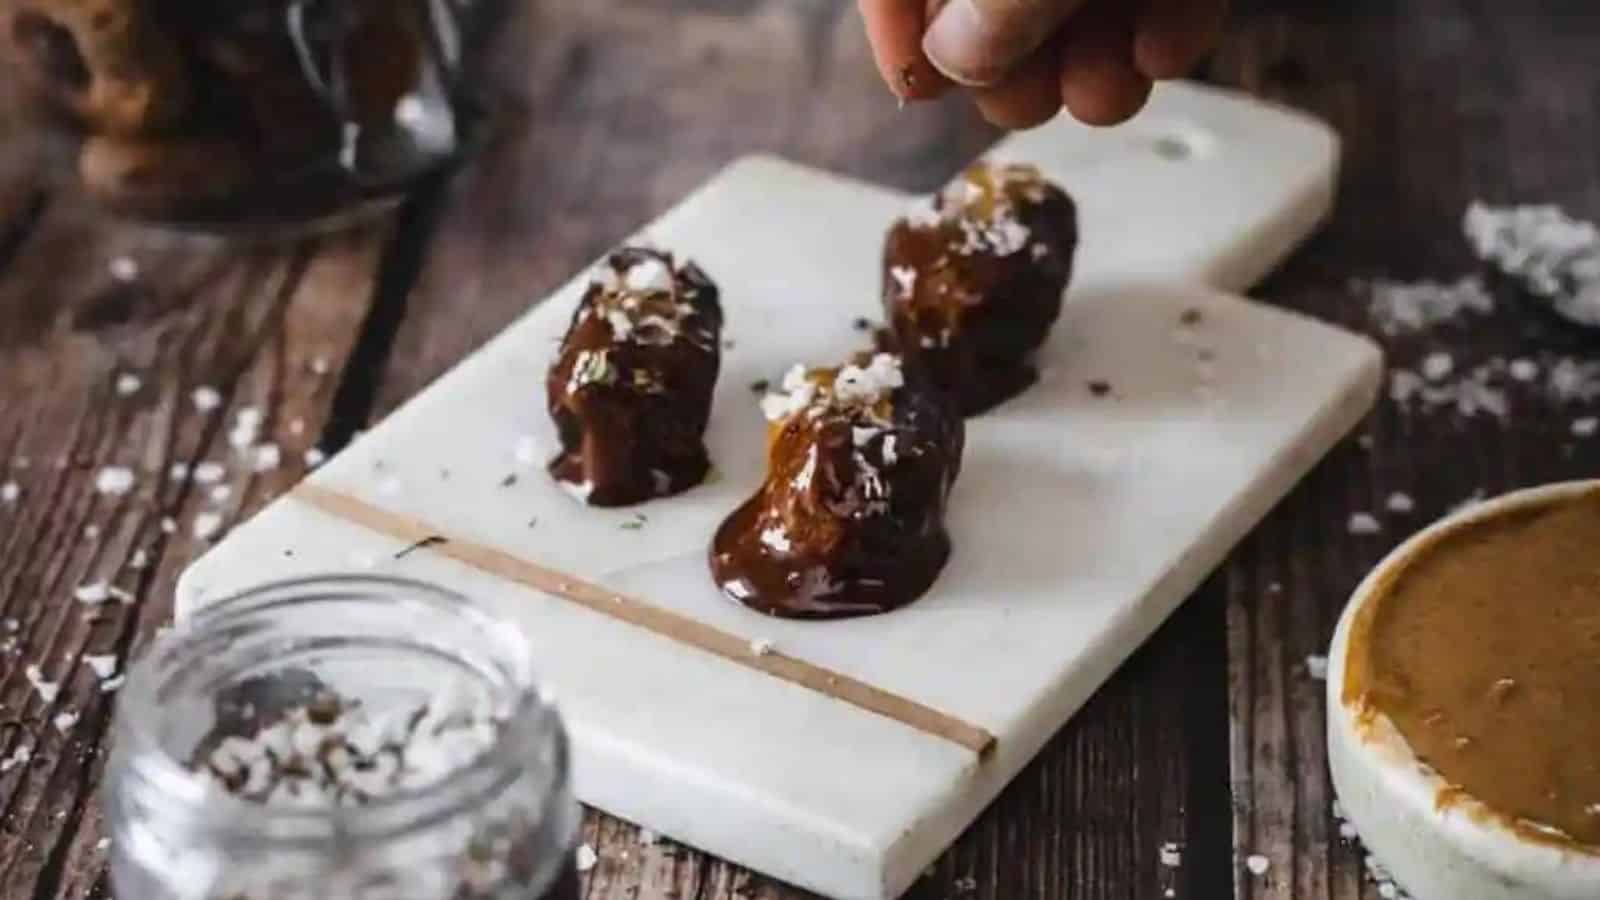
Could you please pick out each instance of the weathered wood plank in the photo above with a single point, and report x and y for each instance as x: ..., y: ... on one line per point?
x: 246, y: 324
x: 1439, y: 103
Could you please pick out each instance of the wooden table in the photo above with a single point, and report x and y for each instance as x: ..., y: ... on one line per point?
x: 1210, y: 737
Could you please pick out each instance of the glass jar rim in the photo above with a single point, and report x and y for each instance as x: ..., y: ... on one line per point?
x: 229, y: 817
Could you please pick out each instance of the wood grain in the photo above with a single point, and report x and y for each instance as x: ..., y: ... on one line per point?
x: 1439, y: 105
x: 628, y: 105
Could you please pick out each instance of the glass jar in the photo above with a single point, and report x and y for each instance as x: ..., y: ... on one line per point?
x: 230, y: 116
x: 192, y: 816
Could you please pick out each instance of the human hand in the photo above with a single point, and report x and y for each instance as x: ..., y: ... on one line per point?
x: 1026, y: 59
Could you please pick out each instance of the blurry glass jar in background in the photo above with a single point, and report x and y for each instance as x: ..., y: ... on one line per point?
x: 250, y: 115
x: 337, y: 738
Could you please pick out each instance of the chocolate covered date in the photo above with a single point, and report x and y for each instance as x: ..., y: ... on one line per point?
x: 849, y: 520
x: 973, y: 283
x: 630, y: 391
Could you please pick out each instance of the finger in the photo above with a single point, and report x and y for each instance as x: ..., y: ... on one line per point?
x: 894, y: 28
x: 979, y: 42
x: 1173, y: 35
x: 1028, y: 98
x: 1099, y: 83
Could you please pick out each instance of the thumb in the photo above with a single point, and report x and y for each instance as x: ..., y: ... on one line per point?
x: 979, y: 42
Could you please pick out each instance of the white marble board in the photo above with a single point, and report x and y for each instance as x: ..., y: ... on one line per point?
x: 1079, y: 522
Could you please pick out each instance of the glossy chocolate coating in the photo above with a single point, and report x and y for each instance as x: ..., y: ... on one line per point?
x: 972, y: 287
x: 630, y: 391
x: 850, y: 518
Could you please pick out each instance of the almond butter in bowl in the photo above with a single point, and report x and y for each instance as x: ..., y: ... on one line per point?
x: 1464, y: 702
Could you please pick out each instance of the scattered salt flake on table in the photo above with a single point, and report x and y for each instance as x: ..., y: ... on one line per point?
x: 209, y: 473
x: 586, y: 858
x: 1524, y: 369
x: 123, y: 268
x: 761, y: 647
x: 1437, y: 366
x: 1317, y: 667
x: 220, y: 493
x: 1571, y: 381
x: 1586, y: 426
x: 103, y: 665
x: 1554, y: 255
x: 10, y: 625
x: 319, y: 365
x: 92, y: 593
x: 46, y: 689
x: 9, y: 492
x: 1171, y: 855
x: 206, y: 398
x: 267, y: 457
x: 64, y: 721
x: 206, y: 525
x: 1388, y: 891
x: 114, y: 480
x: 1400, y: 503
x: 128, y: 384
x: 103, y: 844
x: 1257, y: 864
x: 246, y: 428
x: 179, y: 472
x: 1399, y: 307
x: 18, y: 757
x: 314, y: 457
x: 91, y: 531
x: 169, y: 525
x: 1362, y: 523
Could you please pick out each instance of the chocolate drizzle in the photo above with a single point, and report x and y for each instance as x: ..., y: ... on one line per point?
x: 630, y: 391
x: 973, y: 284
x: 850, y: 519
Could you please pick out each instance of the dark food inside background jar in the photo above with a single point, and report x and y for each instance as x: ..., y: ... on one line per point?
x: 270, y: 113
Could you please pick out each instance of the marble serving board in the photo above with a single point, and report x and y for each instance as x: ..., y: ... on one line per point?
x: 1080, y: 521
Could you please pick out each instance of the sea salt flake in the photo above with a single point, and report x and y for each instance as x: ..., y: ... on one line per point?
x: 1400, y: 503
x: 314, y: 457
x: 124, y: 269
x: 1171, y: 855
x: 64, y: 721
x: 1257, y: 864
x: 1524, y: 370
x: 103, y: 665
x: 114, y: 481
x: 1398, y: 307
x: 47, y: 690
x: 220, y: 493
x: 1585, y: 427
x: 206, y: 398
x: 586, y: 858
x: 9, y: 492
x: 91, y: 531
x: 128, y: 384
x: 169, y: 525
x: 18, y: 757
x: 93, y: 593
x: 1437, y: 366
x: 761, y: 647
x: 1553, y: 255
x: 1362, y: 523
x: 206, y: 525
x: 209, y: 473
x: 267, y: 457
x: 905, y: 279
x: 1317, y: 667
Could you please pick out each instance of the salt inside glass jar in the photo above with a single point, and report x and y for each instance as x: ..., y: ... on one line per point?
x: 339, y: 737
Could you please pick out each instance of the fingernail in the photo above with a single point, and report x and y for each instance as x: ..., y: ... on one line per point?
x: 961, y: 45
